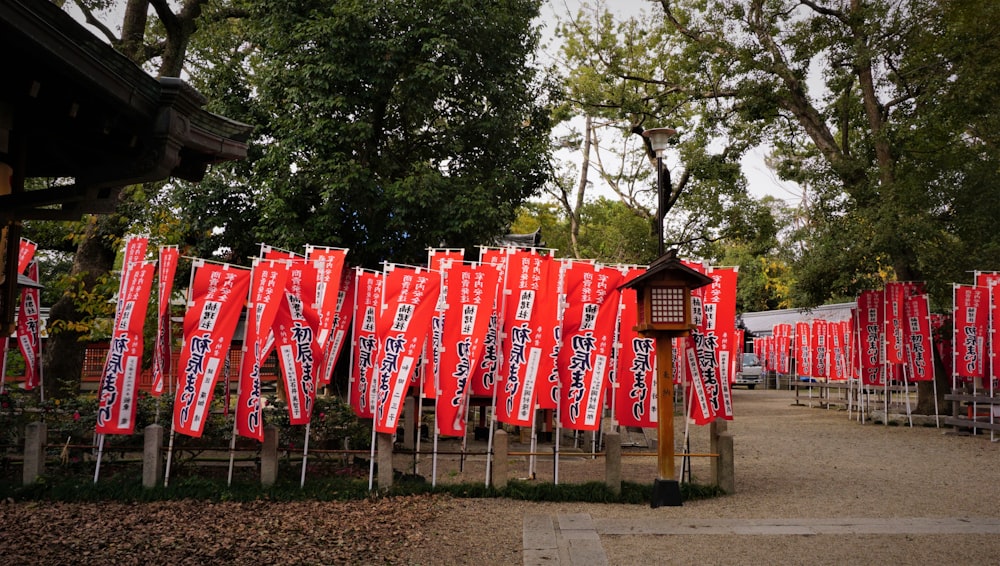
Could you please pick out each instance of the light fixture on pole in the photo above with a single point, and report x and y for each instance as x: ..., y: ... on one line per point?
x: 659, y: 139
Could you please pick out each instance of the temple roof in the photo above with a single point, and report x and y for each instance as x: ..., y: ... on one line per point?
x: 73, y: 108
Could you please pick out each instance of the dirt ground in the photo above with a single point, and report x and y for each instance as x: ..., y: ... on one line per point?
x: 791, y: 462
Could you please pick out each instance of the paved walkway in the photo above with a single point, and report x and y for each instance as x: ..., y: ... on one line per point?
x: 574, y: 538
x: 812, y: 486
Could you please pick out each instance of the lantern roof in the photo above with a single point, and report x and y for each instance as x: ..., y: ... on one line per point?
x: 669, y: 267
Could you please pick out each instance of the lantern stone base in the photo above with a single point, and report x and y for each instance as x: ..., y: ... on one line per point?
x: 666, y: 493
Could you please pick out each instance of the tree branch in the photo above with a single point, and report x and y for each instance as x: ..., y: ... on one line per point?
x: 92, y: 20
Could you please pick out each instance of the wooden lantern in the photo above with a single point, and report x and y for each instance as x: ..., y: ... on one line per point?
x: 663, y: 294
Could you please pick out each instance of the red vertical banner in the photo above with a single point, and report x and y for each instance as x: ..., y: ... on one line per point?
x: 267, y: 289
x: 970, y: 322
x: 409, y: 298
x: 548, y: 328
x: 440, y: 260
x: 697, y: 355
x: 895, y: 294
x: 803, y: 349
x: 719, y: 298
x: 484, y: 375
x: 120, y: 379
x: 871, y: 350
x: 25, y: 253
x: 329, y: 265
x: 28, y: 331
x: 296, y: 340
x: 991, y: 281
x: 782, y: 344
x: 838, y: 364
x: 850, y: 350
x: 217, y: 294
x: 820, y: 348
x: 471, y: 292
x: 163, y: 349
x: 919, y: 351
x: 364, y: 354
x: 588, y: 333
x: 635, y: 396
x: 341, y: 320
x: 528, y: 273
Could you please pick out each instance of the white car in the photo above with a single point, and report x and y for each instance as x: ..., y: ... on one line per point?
x: 750, y: 373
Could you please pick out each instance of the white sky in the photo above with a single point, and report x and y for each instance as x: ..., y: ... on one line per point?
x: 761, y: 180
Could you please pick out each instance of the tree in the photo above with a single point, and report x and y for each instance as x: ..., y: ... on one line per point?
x: 891, y: 135
x: 383, y: 127
x: 614, y: 77
x: 88, y: 284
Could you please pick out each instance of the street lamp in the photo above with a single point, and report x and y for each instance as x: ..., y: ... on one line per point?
x: 659, y: 138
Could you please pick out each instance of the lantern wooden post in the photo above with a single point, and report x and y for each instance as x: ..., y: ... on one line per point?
x: 663, y: 295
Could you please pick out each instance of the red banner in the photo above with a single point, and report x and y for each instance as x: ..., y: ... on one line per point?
x: 296, y: 341
x: 548, y: 328
x: 439, y: 260
x: 782, y: 345
x: 970, y: 323
x: 871, y: 310
x: 588, y: 333
x: 895, y: 294
x: 267, y: 252
x: 267, y: 288
x: 28, y: 331
x: 820, y: 348
x: 698, y: 407
x: 329, y: 263
x: 635, y: 396
x: 163, y: 349
x: 410, y: 296
x: 216, y: 299
x: 367, y: 300
x: 919, y: 350
x: 803, y: 349
x: 719, y: 304
x: 120, y: 379
x: 25, y: 253
x: 484, y: 375
x: 471, y: 292
x: 341, y: 320
x: 527, y: 275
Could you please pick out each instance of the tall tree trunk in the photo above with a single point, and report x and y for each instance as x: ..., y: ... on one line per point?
x: 65, y: 351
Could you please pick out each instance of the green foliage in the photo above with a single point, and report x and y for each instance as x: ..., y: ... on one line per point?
x: 381, y: 127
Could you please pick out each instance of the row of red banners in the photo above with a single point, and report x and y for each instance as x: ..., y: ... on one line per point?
x: 521, y: 327
x: 892, y: 335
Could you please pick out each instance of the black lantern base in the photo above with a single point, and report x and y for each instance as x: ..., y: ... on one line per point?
x: 666, y: 493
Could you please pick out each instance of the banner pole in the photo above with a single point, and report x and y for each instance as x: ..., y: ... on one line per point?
x: 305, y: 455
x: 170, y: 454
x: 100, y: 454
x: 489, y: 438
x: 371, y: 461
x: 3, y: 365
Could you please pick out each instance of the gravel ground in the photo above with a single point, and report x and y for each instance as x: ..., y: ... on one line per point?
x: 791, y: 462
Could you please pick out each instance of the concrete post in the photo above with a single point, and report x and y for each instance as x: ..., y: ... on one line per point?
x: 409, y: 423
x: 152, y: 455
x: 35, y: 436
x: 726, y: 463
x: 269, y: 456
x: 385, y: 469
x: 723, y: 472
x: 500, y: 459
x: 613, y: 461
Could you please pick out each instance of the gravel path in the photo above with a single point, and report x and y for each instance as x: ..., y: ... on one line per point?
x: 792, y: 463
